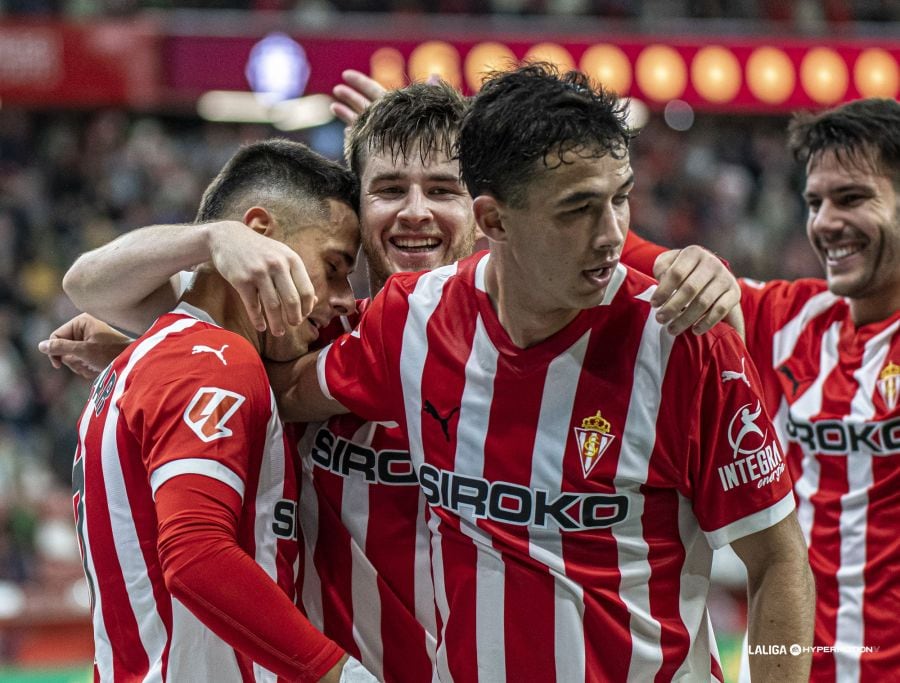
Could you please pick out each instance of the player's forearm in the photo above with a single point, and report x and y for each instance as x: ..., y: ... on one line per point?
x: 277, y: 637
x: 243, y: 605
x: 780, y: 620
x: 128, y: 282
x: 300, y: 397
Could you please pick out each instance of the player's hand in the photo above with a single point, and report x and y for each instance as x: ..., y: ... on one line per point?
x: 695, y: 291
x: 85, y: 345
x: 356, y: 93
x: 269, y: 276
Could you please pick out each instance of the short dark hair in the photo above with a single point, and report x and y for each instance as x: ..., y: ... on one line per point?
x: 535, y: 114
x: 276, y: 171
x: 422, y: 117
x: 864, y: 131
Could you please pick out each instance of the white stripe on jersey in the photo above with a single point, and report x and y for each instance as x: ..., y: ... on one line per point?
x: 363, y: 578
x: 545, y: 545
x: 785, y: 339
x: 423, y: 588
x: 423, y: 301
x: 102, y: 645
x: 311, y: 591
x: 490, y: 570
x: 638, y: 439
x: 190, y: 637
x: 208, y: 468
x: 695, y: 581
x: 808, y: 405
x: 854, y: 511
x: 151, y: 630
x: 269, y: 490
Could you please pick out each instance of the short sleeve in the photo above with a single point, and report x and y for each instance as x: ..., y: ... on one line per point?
x: 360, y: 370
x: 199, y: 412
x: 739, y: 476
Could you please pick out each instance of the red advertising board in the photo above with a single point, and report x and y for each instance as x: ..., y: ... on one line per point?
x: 712, y: 73
x: 79, y: 65
x: 143, y: 64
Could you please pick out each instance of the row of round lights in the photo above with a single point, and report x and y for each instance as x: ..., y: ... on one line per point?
x: 660, y: 71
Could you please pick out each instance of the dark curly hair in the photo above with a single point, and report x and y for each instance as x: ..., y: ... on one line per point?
x: 863, y: 132
x: 530, y: 115
x: 420, y: 118
x: 276, y: 172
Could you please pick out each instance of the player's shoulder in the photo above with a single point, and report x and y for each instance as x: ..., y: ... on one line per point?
x: 181, y: 344
x: 801, y: 288
x: 465, y: 273
x: 778, y: 301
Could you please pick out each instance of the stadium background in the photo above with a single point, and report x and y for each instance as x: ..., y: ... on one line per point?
x: 116, y: 113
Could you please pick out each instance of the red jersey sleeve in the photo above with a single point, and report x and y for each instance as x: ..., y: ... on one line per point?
x: 201, y: 406
x: 198, y: 520
x: 361, y: 370
x: 640, y: 254
x: 739, y: 480
x: 769, y: 306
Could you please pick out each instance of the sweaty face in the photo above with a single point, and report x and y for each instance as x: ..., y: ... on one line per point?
x: 328, y: 250
x: 564, y: 243
x: 854, y: 227
x: 415, y: 215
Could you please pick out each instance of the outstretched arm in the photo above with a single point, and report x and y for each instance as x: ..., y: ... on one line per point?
x: 133, y: 280
x: 781, y: 601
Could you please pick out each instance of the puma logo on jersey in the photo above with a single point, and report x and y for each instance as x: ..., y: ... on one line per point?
x: 729, y: 375
x: 444, y: 421
x: 218, y: 353
x: 209, y: 411
x: 786, y: 371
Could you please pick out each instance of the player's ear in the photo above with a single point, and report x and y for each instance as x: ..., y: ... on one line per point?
x: 260, y: 220
x: 488, y: 217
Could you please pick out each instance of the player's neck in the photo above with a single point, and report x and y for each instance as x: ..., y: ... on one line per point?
x: 520, y: 315
x: 376, y: 282
x: 211, y: 293
x: 873, y: 309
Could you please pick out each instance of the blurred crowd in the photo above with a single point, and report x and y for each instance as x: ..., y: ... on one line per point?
x: 802, y: 13
x: 72, y: 181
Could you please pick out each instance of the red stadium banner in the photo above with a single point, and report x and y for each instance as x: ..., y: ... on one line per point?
x: 80, y: 65
x: 146, y: 65
x: 712, y: 73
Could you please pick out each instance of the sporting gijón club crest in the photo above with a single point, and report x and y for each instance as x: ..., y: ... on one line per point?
x: 593, y: 439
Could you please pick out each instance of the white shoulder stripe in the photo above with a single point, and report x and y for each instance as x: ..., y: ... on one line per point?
x: 479, y: 273
x: 612, y: 288
x: 320, y: 373
x: 785, y: 339
x: 763, y: 519
x: 208, y: 468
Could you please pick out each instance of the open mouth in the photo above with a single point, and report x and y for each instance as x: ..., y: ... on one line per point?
x: 416, y: 245
x: 838, y: 254
x: 599, y: 276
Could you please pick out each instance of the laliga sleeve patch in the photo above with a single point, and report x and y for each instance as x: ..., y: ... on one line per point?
x: 209, y: 411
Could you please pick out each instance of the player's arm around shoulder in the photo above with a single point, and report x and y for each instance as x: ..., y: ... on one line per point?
x: 299, y: 390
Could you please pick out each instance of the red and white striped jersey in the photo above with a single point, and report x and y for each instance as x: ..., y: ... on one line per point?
x: 366, y: 576
x: 186, y: 398
x: 832, y: 389
x: 576, y: 487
